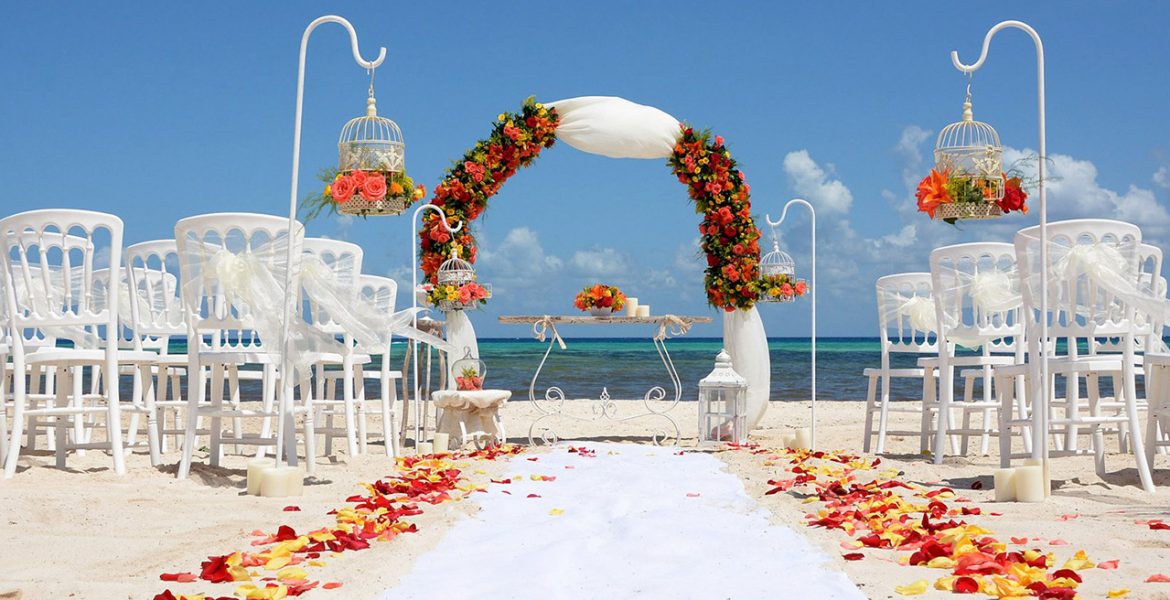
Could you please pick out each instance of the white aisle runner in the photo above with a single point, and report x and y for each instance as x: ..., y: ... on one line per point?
x: 630, y: 522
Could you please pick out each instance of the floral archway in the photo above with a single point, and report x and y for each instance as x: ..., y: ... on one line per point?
x: 699, y: 160
x: 618, y: 128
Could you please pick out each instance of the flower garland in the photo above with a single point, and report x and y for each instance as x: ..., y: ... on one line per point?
x: 730, y: 237
x: 515, y: 141
x: 700, y: 161
x: 448, y: 294
x: 375, y: 516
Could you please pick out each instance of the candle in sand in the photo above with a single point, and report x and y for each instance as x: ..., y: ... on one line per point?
x: 442, y: 442
x: 256, y: 468
x: 1030, y: 483
x: 1005, y: 485
x: 282, y: 481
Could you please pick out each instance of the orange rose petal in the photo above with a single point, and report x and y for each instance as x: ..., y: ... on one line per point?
x: 1158, y: 578
x: 1108, y: 564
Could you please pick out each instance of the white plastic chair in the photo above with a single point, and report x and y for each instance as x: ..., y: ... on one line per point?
x: 1083, y: 306
x: 977, y: 304
x: 344, y: 262
x: 907, y: 325
x: 221, y: 321
x: 382, y: 293
x: 50, y: 286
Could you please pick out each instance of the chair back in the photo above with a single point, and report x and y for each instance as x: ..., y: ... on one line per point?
x: 343, y: 261
x: 906, y: 314
x: 382, y: 294
x: 51, y: 263
x: 153, y: 281
x: 1089, y: 261
x: 977, y: 296
x: 233, y: 268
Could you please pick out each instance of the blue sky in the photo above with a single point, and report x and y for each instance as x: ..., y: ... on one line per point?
x: 156, y: 112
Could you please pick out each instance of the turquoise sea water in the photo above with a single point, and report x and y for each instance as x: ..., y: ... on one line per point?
x: 630, y: 366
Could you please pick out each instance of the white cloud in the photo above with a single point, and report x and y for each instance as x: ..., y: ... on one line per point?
x: 814, y: 183
x: 519, y: 256
x: 600, y: 262
x: 1162, y: 176
x: 1074, y: 192
x: 909, y: 149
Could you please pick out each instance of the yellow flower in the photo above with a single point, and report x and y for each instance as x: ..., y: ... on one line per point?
x: 500, y: 117
x: 539, y: 106
x: 328, y: 190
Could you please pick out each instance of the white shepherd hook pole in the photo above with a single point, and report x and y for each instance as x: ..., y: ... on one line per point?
x: 290, y: 295
x: 813, y: 236
x: 418, y: 416
x: 1039, y: 417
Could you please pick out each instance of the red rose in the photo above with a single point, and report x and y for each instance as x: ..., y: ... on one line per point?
x: 712, y: 260
x: 1013, y: 196
x: 738, y: 249
x: 359, y: 178
x: 730, y: 231
x: 374, y: 188
x: 343, y: 188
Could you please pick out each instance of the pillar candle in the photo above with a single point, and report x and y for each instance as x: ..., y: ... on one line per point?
x: 442, y: 442
x: 1030, y: 483
x: 282, y: 481
x: 424, y: 448
x: 803, y: 439
x: 631, y: 307
x: 787, y: 440
x: 256, y: 468
x: 1005, y: 485
x: 643, y: 310
x: 1033, y: 462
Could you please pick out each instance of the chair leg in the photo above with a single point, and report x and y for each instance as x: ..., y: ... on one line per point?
x: 968, y: 398
x: 310, y: 429
x: 64, y: 400
x: 217, y: 381
x: 152, y: 425
x: 347, y: 396
x: 884, y: 413
x: 114, y: 418
x: 1155, y: 382
x: 359, y: 380
x: 268, y: 383
x: 1135, y: 432
x: 945, y: 418
x: 75, y: 383
x: 929, y: 395
x: 196, y: 383
x: 234, y: 400
x: 869, y: 410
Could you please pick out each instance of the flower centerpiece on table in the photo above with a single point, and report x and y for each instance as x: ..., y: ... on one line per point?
x: 944, y: 188
x: 782, y: 287
x: 451, y: 296
x: 363, y: 192
x: 600, y: 299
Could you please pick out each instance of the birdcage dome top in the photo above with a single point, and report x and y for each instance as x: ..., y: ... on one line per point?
x: 469, y: 371
x: 777, y: 262
x: 371, y: 143
x: 969, y: 147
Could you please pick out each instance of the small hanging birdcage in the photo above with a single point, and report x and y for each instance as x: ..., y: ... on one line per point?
x: 374, y: 145
x: 777, y: 268
x: 455, y: 270
x: 469, y: 372
x: 970, y: 152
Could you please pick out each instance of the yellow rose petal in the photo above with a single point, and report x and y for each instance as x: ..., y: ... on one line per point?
x: 913, y: 589
x: 556, y: 511
x: 1118, y: 593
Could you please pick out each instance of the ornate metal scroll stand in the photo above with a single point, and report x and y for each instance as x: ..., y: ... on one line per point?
x: 656, y: 402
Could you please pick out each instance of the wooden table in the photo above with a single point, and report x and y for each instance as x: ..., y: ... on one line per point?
x: 656, y: 402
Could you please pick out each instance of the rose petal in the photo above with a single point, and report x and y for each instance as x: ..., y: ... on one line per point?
x: 1158, y: 578
x: 913, y: 589
x: 1058, y: 542
x: 292, y: 509
x: 1020, y: 540
x: 332, y: 585
x: 1108, y: 564
x: 692, y: 494
x: 966, y: 585
x: 853, y: 556
x: 1118, y: 593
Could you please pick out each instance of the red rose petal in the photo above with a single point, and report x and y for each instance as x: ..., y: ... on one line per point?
x: 853, y: 556
x: 1020, y: 540
x: 1158, y: 578
x: 966, y: 585
x: 292, y: 509
x: 1108, y: 564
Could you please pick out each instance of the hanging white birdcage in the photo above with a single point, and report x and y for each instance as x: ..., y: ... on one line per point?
x: 469, y: 372
x: 374, y: 145
x: 455, y: 270
x: 775, y: 267
x: 971, y: 150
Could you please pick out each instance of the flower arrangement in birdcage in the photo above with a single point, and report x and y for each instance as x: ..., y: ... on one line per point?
x: 777, y: 281
x: 968, y: 180
x: 455, y: 296
x: 600, y: 299
x: 370, y: 177
x: 364, y: 193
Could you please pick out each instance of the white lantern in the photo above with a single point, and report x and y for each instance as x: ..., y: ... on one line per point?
x: 723, y: 404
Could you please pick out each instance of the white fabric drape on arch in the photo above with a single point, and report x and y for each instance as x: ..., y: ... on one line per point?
x: 615, y: 127
x: 746, y: 341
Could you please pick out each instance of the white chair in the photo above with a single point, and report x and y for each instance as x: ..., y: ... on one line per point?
x: 343, y: 260
x: 50, y: 288
x: 977, y: 305
x: 1085, y: 305
x: 233, y: 270
x: 153, y: 278
x: 907, y: 327
x: 382, y: 293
